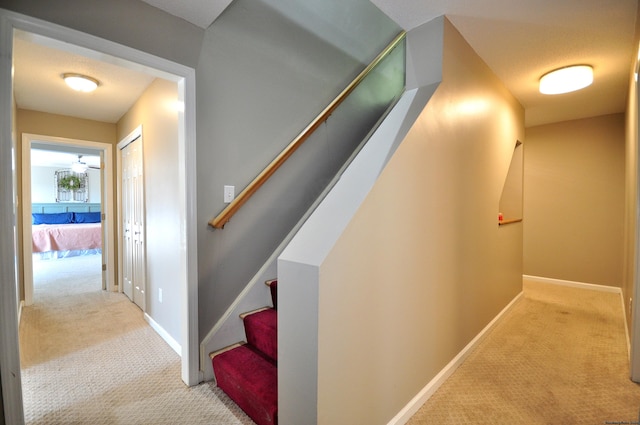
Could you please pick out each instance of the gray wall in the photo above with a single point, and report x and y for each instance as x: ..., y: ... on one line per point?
x: 132, y: 23
x: 262, y: 78
x: 1, y: 407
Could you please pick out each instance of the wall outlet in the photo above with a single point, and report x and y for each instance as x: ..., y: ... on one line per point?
x: 160, y: 294
x: 229, y: 193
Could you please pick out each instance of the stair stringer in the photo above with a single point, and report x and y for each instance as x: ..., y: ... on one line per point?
x: 230, y: 328
x: 298, y: 275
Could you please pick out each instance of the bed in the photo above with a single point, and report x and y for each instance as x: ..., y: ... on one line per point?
x: 66, y: 230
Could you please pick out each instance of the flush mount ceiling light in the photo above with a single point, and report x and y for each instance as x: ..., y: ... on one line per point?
x: 80, y: 82
x: 565, y: 80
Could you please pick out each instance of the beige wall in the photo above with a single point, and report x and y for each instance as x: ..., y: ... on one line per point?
x: 423, y: 267
x: 46, y: 124
x: 574, y: 200
x: 156, y: 110
x: 62, y: 126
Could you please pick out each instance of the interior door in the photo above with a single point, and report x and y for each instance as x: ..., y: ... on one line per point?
x: 133, y: 244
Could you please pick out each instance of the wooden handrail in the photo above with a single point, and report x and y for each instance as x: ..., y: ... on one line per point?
x: 221, y: 219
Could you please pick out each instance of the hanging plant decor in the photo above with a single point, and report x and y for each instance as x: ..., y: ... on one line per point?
x: 70, y: 182
x: 70, y: 186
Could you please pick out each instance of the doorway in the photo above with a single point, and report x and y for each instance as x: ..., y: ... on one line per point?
x: 184, y: 76
x: 107, y: 202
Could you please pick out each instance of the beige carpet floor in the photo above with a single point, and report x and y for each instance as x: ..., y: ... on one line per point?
x: 558, y: 357
x: 89, y: 357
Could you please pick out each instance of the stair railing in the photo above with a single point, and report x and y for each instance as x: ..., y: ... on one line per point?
x: 225, y: 215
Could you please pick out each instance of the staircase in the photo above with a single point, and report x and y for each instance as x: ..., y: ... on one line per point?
x: 247, y: 371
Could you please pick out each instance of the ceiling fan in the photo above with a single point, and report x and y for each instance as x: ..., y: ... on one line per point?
x: 80, y: 166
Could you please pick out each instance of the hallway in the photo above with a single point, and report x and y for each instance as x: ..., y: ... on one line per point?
x: 559, y: 356
x: 89, y: 357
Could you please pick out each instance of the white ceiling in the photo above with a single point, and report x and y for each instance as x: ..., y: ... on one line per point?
x: 39, y: 63
x: 48, y: 158
x: 519, y: 40
x: 199, y: 12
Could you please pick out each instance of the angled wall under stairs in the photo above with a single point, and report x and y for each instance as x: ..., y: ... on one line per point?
x: 387, y: 282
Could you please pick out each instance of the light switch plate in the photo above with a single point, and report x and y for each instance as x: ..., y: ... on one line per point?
x: 229, y: 194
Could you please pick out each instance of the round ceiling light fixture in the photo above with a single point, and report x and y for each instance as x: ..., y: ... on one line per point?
x: 80, y: 82
x: 565, y: 80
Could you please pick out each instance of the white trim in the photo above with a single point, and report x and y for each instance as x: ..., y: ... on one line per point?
x: 191, y: 370
x: 626, y: 327
x: 164, y: 334
x: 414, y: 405
x: 572, y: 284
x: 9, y: 354
x: 20, y: 307
x: 129, y: 138
x: 634, y: 363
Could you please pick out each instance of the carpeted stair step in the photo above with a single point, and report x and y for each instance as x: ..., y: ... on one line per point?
x: 273, y: 287
x: 250, y: 380
x: 261, y: 329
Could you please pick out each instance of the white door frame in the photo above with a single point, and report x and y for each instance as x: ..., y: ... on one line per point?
x: 635, y: 292
x: 186, y: 80
x: 109, y: 223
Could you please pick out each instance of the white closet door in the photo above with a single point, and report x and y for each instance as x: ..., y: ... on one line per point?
x: 133, y: 244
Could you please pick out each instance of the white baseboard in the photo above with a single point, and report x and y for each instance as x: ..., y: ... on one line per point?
x: 414, y: 405
x: 164, y: 334
x: 572, y: 284
x: 20, y: 311
x: 626, y: 327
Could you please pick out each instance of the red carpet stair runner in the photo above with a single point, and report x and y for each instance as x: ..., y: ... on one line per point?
x: 248, y: 372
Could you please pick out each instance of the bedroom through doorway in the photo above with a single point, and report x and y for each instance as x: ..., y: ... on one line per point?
x: 66, y: 232
x: 59, y: 222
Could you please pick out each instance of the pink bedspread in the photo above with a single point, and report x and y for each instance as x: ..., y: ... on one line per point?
x: 64, y: 237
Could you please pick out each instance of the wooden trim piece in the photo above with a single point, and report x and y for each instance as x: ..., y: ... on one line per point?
x: 221, y: 219
x: 225, y: 349
x: 248, y: 313
x: 513, y: 220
